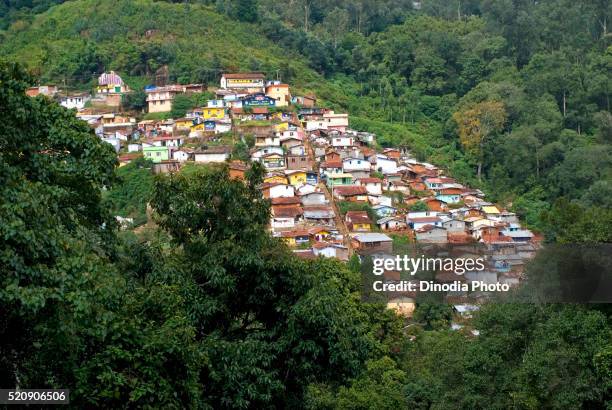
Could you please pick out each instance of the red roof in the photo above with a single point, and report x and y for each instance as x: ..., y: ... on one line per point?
x: 286, y: 201
x: 358, y: 217
x: 370, y: 180
x: 451, y: 191
x: 305, y: 254
x: 424, y: 219
x: 294, y: 233
x: 352, y: 190
x: 331, y: 164
x: 239, y: 165
x: 287, y: 212
x: 428, y: 228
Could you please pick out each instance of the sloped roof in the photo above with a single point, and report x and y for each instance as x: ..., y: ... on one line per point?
x: 371, y: 237
x: 254, y: 76
x: 287, y: 212
x: 286, y: 201
x: 350, y: 190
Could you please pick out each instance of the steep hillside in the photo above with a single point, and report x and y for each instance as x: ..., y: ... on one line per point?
x: 73, y: 40
x: 71, y: 43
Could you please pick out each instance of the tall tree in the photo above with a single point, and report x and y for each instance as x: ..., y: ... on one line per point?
x: 477, y: 124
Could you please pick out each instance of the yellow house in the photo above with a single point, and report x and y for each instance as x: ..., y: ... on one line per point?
x: 490, y: 210
x: 280, y: 92
x: 197, y: 127
x: 275, y: 179
x: 360, y: 226
x: 278, y: 115
x: 184, y: 123
x: 283, y: 126
x: 297, y: 178
x: 213, y: 113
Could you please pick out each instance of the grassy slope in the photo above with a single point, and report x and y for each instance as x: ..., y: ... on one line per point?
x: 192, y: 37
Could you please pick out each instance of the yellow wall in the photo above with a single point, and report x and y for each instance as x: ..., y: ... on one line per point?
x: 297, y: 178
x: 213, y: 113
x: 363, y: 227
x: 276, y: 178
x: 184, y: 124
x: 160, y: 106
x: 280, y: 94
x: 283, y: 126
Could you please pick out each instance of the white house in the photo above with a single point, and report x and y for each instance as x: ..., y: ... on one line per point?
x: 335, y: 121
x: 316, y: 124
x: 212, y: 154
x: 257, y: 154
x: 267, y: 141
x: 350, y: 165
x: 306, y: 189
x: 115, y: 142
x: 281, y: 191
x: 372, y: 185
x: 282, y: 222
x: 134, y: 147
x: 386, y: 165
x: 329, y: 250
x: 216, y: 104
x: 181, y: 155
x: 342, y: 141
x: 75, y: 101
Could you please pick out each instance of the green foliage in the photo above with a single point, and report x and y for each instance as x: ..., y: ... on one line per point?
x: 418, y: 206
x: 433, y: 316
x: 568, y: 222
x: 130, y: 194
x: 135, y: 100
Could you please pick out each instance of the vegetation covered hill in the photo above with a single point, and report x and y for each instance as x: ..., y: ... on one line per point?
x: 200, y: 317
x: 76, y: 39
x: 429, y: 79
x: 215, y: 313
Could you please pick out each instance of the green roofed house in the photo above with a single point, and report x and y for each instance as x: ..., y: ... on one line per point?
x: 156, y: 154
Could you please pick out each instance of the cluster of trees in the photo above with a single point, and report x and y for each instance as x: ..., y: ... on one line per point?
x: 73, y: 43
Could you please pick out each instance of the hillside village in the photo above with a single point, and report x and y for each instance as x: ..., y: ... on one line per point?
x: 334, y: 191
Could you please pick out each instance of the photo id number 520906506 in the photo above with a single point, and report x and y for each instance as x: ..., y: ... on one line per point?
x: 34, y: 396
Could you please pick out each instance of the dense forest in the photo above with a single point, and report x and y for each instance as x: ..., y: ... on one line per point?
x: 510, y: 96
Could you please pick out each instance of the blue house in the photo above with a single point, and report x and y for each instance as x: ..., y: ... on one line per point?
x: 258, y: 100
x: 449, y: 198
x: 384, y: 210
x: 312, y: 177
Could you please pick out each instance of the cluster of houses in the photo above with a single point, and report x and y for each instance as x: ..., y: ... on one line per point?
x: 333, y: 191
x: 316, y: 165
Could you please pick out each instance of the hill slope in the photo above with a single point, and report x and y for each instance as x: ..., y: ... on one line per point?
x: 73, y: 42
x: 78, y: 38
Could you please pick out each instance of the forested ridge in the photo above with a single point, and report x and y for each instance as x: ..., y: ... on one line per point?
x: 199, y: 316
